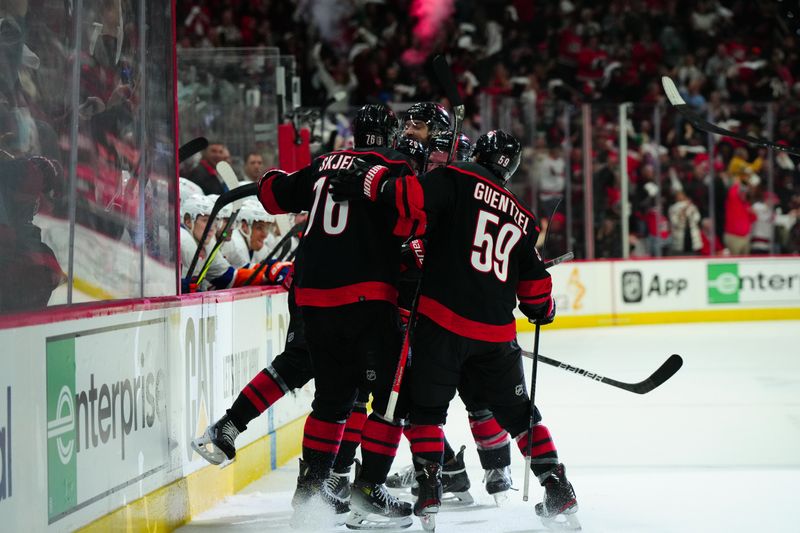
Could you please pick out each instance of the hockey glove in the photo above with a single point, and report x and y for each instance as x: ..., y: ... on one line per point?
x: 541, y: 314
x: 280, y: 273
x: 361, y: 179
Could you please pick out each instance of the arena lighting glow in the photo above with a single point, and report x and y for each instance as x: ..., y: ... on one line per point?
x: 430, y: 15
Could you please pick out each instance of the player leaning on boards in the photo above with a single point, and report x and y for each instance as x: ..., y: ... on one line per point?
x: 480, y: 258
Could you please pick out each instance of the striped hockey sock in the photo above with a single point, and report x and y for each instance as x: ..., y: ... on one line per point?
x: 264, y: 390
x: 351, y: 438
x: 379, y: 442
x: 321, y: 444
x: 544, y: 456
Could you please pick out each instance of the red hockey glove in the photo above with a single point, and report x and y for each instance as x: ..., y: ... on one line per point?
x: 541, y: 314
x: 361, y: 179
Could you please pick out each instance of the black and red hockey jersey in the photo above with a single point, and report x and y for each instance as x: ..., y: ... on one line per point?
x: 480, y: 254
x: 348, y: 251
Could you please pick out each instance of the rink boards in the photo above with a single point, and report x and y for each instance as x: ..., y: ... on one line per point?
x: 606, y: 293
x: 98, y: 407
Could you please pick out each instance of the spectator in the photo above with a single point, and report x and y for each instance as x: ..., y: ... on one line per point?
x: 549, y: 173
x: 761, y: 235
x: 739, y: 218
x: 205, y: 173
x: 684, y: 218
x: 253, y: 166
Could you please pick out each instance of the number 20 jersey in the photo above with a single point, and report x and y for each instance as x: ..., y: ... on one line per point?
x: 348, y: 253
x: 480, y: 254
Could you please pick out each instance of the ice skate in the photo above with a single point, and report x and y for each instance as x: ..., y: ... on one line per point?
x: 372, y: 507
x: 429, y: 498
x: 455, y: 482
x: 338, y: 483
x: 498, y: 483
x: 557, y: 510
x: 217, y: 443
x: 402, y: 479
x: 315, y: 506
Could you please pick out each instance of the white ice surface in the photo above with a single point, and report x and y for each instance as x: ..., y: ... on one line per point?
x: 715, y: 449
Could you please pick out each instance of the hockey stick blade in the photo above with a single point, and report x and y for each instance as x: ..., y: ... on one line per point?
x: 702, y: 124
x: 668, y: 369
x: 227, y: 175
x: 445, y: 77
x: 569, y: 256
x: 198, y: 144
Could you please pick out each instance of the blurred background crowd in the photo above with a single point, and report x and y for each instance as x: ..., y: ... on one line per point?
x: 530, y: 67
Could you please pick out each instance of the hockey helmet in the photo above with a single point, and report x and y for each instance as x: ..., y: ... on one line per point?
x: 224, y: 212
x: 252, y: 211
x: 441, y: 143
x: 374, y: 125
x: 499, y: 152
x: 432, y: 114
x: 415, y: 150
x: 195, y: 206
x: 187, y: 188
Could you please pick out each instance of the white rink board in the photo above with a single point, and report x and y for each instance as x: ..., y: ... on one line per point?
x: 146, y: 381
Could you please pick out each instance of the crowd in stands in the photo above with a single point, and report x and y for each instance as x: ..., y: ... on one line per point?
x: 728, y: 58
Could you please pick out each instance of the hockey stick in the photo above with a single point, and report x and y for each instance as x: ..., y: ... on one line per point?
x: 223, y: 236
x: 534, y: 366
x: 667, y: 369
x: 702, y: 124
x: 198, y: 144
x: 224, y: 199
x: 295, y: 231
x: 445, y: 77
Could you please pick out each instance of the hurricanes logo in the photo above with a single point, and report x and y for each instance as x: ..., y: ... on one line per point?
x: 62, y: 427
x: 519, y: 390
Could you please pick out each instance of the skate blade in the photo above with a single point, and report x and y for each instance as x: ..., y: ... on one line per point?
x: 566, y: 521
x: 206, y: 449
x: 360, y: 520
x: 428, y: 521
x: 501, y: 498
x: 458, y: 498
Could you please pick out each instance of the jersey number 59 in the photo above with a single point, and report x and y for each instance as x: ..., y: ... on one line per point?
x: 491, y: 248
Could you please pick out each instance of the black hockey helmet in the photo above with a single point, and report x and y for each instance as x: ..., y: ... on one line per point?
x: 432, y: 114
x: 441, y: 143
x: 500, y: 152
x: 374, y: 125
x: 414, y: 149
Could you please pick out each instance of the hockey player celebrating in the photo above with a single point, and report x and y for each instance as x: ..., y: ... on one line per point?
x: 481, y: 257
x: 491, y: 440
x: 347, y: 292
x: 424, y: 121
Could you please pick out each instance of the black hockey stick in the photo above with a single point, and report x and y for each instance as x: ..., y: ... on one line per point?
x: 667, y: 369
x: 445, y: 77
x: 534, y: 366
x: 220, y: 241
x: 198, y: 144
x: 702, y: 124
x: 294, y: 231
x: 224, y: 199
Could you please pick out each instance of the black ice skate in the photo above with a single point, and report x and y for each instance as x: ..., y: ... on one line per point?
x: 429, y: 498
x: 338, y: 483
x: 498, y: 483
x: 557, y: 510
x: 372, y: 507
x: 455, y: 481
x: 402, y: 479
x: 315, y: 506
x: 217, y: 443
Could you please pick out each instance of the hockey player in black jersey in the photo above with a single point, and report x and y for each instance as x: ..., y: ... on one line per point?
x: 347, y: 290
x: 492, y: 441
x: 480, y: 258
